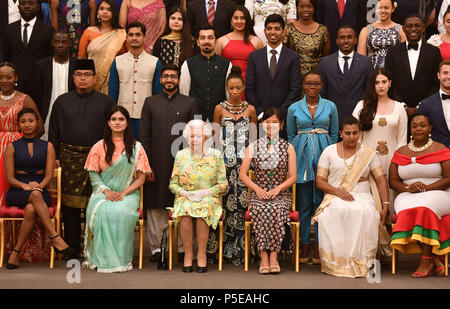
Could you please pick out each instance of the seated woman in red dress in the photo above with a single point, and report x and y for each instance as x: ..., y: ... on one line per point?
x: 29, y: 164
x: 420, y: 172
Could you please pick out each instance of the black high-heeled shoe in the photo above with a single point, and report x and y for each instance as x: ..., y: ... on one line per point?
x: 202, y: 269
x: 188, y: 269
x: 13, y: 266
x: 65, y: 252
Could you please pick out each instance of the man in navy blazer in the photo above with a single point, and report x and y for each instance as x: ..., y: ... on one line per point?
x: 273, y: 75
x: 437, y: 107
x: 354, y: 15
x: 345, y: 90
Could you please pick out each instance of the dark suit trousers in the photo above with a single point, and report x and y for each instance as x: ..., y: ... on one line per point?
x: 72, y: 227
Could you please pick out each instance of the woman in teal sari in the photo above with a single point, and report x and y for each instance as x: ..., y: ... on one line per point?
x: 111, y: 214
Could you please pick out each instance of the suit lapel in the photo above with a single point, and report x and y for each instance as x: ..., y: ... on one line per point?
x: 266, y: 64
x: 34, y: 33
x: 420, y: 60
x: 440, y: 111
x: 405, y: 60
x: 219, y: 8
x: 280, y: 60
x: 336, y: 9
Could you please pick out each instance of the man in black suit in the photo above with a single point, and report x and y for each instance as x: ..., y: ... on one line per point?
x: 197, y: 11
x: 26, y: 41
x: 9, y: 13
x: 333, y: 14
x: 437, y: 107
x: 413, y: 65
x: 345, y: 74
x: 54, y: 76
x: 273, y: 73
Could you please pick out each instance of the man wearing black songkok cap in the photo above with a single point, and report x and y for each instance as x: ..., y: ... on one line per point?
x: 77, y: 122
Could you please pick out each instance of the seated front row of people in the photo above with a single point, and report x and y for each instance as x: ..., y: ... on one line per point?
x: 349, y: 174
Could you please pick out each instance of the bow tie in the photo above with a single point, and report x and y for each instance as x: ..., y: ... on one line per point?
x: 414, y: 46
x: 445, y: 96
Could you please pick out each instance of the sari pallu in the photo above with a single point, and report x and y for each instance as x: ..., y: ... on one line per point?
x: 103, y: 50
x: 110, y: 225
x: 76, y: 187
x: 349, y: 231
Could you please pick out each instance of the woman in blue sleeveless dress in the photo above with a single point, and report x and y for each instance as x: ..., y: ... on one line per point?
x: 29, y: 164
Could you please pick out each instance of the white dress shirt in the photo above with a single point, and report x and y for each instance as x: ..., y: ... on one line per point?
x: 445, y: 108
x: 13, y: 11
x: 60, y: 81
x: 413, y: 56
x: 341, y: 60
x: 29, y: 28
x: 269, y: 54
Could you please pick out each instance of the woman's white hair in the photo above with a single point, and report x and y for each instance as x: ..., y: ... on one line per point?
x: 196, y: 123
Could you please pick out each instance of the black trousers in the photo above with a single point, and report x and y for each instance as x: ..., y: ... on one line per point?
x: 72, y: 227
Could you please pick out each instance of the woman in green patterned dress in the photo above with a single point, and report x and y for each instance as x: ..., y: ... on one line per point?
x: 198, y: 180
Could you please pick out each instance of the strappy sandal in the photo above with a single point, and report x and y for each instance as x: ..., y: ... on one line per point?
x: 65, y: 252
x: 275, y: 269
x: 419, y: 274
x: 13, y: 266
x: 440, y: 271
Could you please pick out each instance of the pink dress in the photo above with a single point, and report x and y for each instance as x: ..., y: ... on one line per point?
x: 37, y: 247
x: 153, y: 16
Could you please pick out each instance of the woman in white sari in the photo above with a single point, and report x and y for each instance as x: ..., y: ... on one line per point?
x: 351, y: 214
x: 103, y: 42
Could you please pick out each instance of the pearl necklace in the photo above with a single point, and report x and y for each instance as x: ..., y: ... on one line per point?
x: 418, y: 149
x: 312, y: 106
x: 234, y: 109
x: 8, y: 97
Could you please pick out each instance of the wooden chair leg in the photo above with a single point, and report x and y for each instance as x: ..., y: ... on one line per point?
x: 297, y: 247
x: 13, y: 233
x: 2, y: 241
x: 220, y: 245
x: 170, y: 244
x: 393, y: 260
x: 175, y: 240
x: 446, y: 264
x: 247, y: 245
x: 141, y: 242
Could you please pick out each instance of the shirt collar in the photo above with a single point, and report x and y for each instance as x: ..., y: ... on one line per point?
x: 278, y: 49
x: 172, y: 97
x: 31, y: 22
x: 131, y: 56
x: 341, y: 54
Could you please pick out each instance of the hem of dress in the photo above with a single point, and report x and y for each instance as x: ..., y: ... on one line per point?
x: 108, y: 270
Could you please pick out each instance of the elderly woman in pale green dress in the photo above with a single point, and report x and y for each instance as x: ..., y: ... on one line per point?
x: 198, y: 180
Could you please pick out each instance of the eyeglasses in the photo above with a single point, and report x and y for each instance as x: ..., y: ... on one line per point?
x: 171, y: 76
x: 86, y: 74
x: 315, y: 84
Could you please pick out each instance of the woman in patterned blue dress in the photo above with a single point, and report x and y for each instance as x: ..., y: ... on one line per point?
x: 375, y: 39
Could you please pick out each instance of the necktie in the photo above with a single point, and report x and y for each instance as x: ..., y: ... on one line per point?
x: 445, y: 96
x: 273, y: 63
x: 25, y: 34
x: 414, y: 46
x: 341, y: 6
x: 346, y: 64
x: 211, y: 12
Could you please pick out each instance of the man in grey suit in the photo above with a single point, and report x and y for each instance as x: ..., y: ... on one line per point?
x: 345, y: 74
